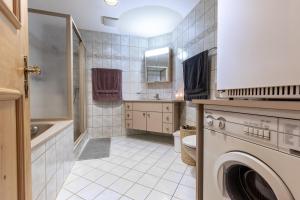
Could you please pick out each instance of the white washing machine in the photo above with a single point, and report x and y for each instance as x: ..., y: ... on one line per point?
x: 251, y: 156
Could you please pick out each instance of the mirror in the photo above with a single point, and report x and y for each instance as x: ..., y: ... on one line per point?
x: 158, y: 65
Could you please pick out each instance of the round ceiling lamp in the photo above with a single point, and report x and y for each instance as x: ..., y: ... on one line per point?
x: 149, y: 21
x: 111, y: 2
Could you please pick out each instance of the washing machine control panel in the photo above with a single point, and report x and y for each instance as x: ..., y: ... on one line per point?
x: 257, y: 129
x: 279, y: 133
x: 257, y: 132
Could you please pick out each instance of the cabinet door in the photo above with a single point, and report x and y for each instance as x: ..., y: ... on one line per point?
x: 139, y: 120
x: 154, y: 122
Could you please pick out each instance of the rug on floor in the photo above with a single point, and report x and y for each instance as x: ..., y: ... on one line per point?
x: 96, y: 149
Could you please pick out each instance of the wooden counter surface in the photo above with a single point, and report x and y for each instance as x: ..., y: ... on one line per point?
x: 276, y: 105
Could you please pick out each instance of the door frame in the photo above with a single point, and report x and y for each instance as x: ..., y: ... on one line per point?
x: 23, y: 151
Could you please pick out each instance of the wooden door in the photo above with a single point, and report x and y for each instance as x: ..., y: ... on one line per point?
x: 154, y: 122
x: 139, y: 120
x: 15, y: 148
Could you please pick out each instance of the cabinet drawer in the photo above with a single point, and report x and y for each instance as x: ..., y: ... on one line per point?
x: 168, y: 107
x: 128, y: 123
x: 128, y: 106
x: 167, y: 117
x: 128, y: 115
x: 151, y: 107
x: 168, y: 128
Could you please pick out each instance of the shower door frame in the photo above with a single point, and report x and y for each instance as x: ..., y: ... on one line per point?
x: 70, y: 27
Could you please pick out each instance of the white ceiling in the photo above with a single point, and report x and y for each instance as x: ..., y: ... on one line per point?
x: 87, y: 13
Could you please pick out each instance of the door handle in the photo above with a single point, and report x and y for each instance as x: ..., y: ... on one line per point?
x: 28, y: 69
x: 35, y: 70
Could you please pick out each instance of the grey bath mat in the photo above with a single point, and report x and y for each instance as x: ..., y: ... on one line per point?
x: 96, y: 149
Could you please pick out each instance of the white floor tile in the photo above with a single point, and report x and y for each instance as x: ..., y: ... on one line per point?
x: 167, y: 187
x: 156, y: 195
x: 121, y: 186
x: 108, y: 195
x: 172, y: 176
x: 138, y: 192
x: 82, y: 170
x: 119, y: 171
x: 188, y: 181
x: 118, y: 160
x: 184, y: 192
x: 106, y: 166
x: 148, y: 180
x: 90, y: 192
x: 133, y: 175
x: 77, y: 185
x: 74, y: 197
x: 142, y: 167
x: 180, y: 168
x: 126, y: 198
x: 130, y: 163
x: 64, y: 194
x: 156, y: 171
x: 94, y: 174
x: 92, y: 163
x: 134, y: 167
x: 107, y: 179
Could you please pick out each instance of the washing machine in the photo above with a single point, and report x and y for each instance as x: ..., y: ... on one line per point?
x: 251, y: 155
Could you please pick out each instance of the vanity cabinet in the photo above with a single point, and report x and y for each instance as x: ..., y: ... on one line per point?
x: 139, y: 120
x: 159, y: 117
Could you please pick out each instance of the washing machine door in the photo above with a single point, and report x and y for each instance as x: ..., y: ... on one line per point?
x: 240, y: 176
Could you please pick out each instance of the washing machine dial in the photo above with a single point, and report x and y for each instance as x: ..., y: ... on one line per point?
x: 210, y: 121
x: 222, y: 125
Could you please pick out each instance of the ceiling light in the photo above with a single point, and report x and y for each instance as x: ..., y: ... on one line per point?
x: 111, y: 2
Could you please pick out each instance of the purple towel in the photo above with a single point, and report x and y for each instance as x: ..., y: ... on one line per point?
x: 107, y: 84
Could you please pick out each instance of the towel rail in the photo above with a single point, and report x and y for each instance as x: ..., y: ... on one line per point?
x: 211, y: 52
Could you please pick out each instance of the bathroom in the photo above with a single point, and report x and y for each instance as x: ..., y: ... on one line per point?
x: 149, y: 100
x: 106, y: 122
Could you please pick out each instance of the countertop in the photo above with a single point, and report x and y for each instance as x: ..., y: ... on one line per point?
x: 156, y: 101
x: 276, y: 105
x: 57, y: 127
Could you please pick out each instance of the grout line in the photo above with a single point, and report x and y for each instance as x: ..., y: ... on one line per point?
x: 145, y: 146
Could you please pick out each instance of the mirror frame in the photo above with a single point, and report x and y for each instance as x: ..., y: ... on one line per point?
x: 169, y: 69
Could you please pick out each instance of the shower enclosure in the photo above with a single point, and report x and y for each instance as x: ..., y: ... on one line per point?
x: 55, y: 44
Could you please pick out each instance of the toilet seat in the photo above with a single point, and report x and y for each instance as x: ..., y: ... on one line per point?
x: 190, y: 141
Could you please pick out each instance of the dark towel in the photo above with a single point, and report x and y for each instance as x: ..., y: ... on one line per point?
x: 196, y: 77
x: 107, y: 84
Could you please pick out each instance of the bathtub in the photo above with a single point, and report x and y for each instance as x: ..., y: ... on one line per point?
x: 52, y: 157
x: 37, y: 129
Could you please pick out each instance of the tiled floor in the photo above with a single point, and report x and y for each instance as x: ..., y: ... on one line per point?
x: 136, y: 169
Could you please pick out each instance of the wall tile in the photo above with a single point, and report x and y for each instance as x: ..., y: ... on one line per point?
x: 50, y: 163
x: 39, y: 176
x: 196, y: 33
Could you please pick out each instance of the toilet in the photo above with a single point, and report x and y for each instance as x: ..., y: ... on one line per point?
x: 189, y: 145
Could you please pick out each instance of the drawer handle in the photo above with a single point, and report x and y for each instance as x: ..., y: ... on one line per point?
x: 167, y: 118
x: 128, y: 106
x: 167, y: 107
x: 128, y: 115
x: 148, y: 115
x: 167, y: 129
x: 144, y: 114
x: 128, y: 125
